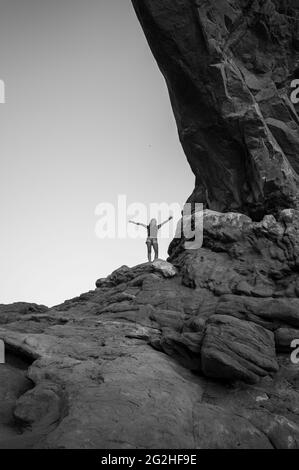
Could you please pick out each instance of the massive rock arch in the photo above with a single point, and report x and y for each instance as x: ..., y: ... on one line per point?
x: 228, y: 65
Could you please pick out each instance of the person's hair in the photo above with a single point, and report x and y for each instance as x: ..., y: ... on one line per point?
x: 153, y: 222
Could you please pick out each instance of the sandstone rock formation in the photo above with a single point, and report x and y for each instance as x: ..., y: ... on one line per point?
x: 193, y: 352
x: 228, y: 66
x: 235, y: 349
x: 152, y: 361
x: 17, y: 310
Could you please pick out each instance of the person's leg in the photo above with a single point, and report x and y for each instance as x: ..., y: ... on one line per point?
x: 156, y: 249
x: 149, y: 251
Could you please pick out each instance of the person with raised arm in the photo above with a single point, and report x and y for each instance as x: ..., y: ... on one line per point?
x: 152, y: 236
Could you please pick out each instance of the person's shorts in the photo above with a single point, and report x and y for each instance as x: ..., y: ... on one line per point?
x: 152, y: 242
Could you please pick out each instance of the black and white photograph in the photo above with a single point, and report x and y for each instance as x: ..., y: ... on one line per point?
x: 149, y: 242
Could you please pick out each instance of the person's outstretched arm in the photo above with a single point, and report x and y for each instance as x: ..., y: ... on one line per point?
x: 137, y: 223
x: 165, y: 222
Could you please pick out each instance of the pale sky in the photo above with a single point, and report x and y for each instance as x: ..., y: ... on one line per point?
x: 87, y: 117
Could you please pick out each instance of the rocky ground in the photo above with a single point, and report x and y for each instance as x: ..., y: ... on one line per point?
x: 189, y: 354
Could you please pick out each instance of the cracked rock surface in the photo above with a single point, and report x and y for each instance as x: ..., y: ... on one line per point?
x: 163, y: 370
x: 194, y: 352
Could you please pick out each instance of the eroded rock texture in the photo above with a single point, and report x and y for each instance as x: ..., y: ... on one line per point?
x: 228, y: 66
x: 150, y: 360
x: 193, y: 352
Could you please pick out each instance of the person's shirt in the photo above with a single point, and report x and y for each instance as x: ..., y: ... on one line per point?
x: 152, y: 231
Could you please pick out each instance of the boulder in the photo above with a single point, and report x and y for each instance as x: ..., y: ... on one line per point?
x: 165, y: 268
x: 233, y: 349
